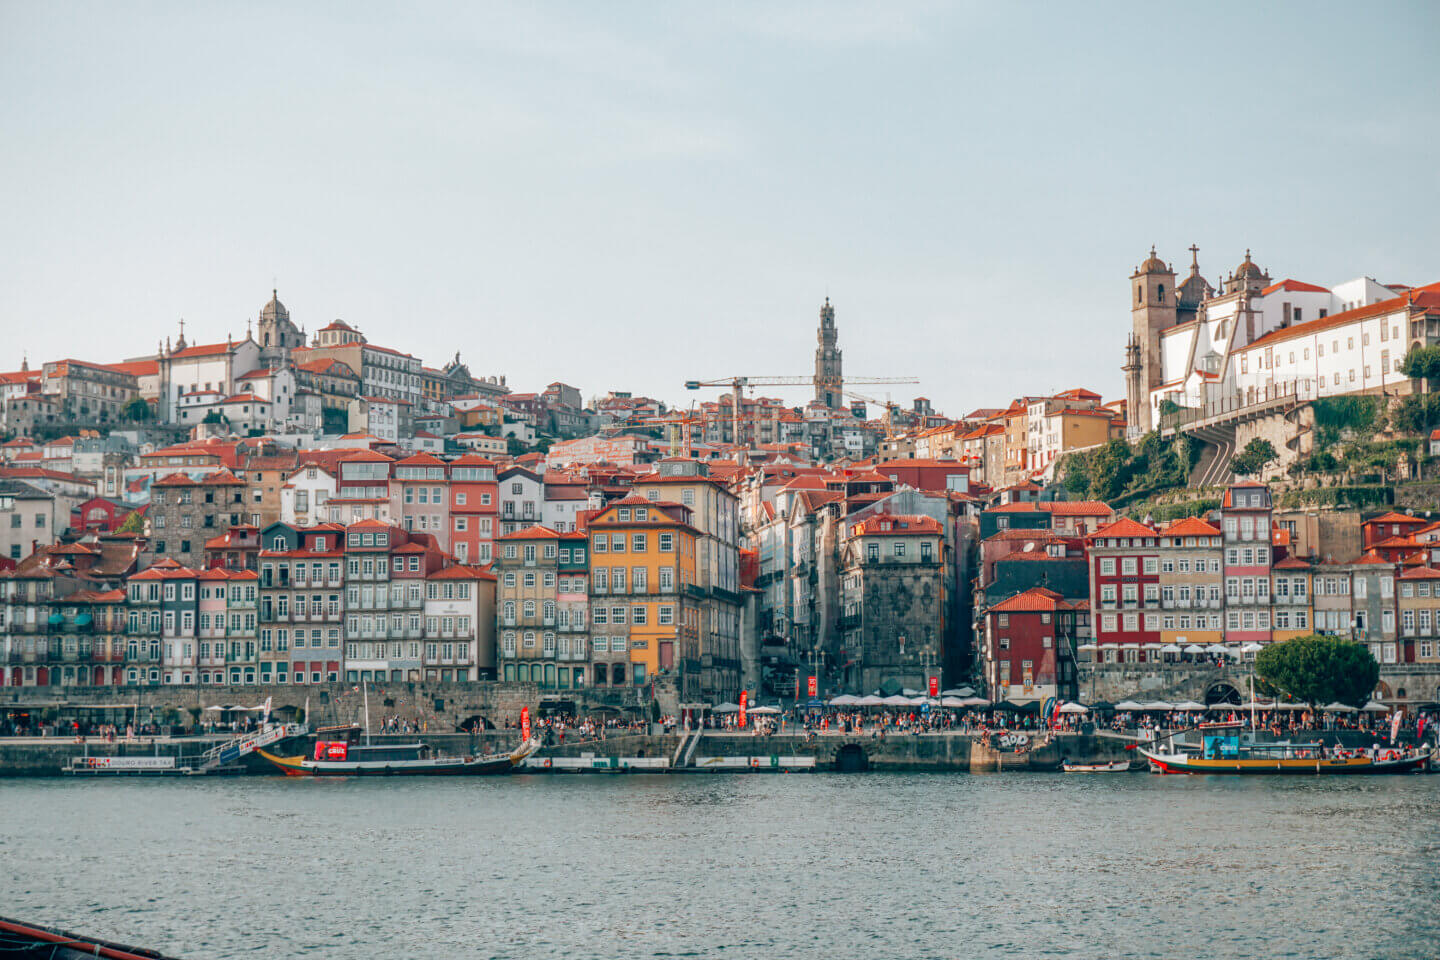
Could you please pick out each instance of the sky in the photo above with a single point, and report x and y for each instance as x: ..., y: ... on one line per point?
x: 626, y: 196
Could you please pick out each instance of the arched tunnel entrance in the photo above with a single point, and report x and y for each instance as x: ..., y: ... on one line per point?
x: 851, y: 758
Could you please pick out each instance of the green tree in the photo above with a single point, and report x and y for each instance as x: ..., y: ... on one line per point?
x: 1257, y: 455
x: 214, y: 417
x: 514, y: 447
x: 137, y: 410
x: 1318, y: 670
x: 1108, y: 473
x: 134, y: 523
x: 1422, y: 363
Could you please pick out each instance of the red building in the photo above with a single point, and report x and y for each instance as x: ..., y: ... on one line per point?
x: 1249, y: 555
x: 1125, y: 592
x: 925, y: 474
x: 474, y: 505
x: 99, y: 515
x: 1388, y: 526
x: 1030, y: 642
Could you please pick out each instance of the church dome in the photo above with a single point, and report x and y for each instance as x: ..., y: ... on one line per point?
x: 1154, y: 264
x: 274, y: 310
x: 1249, y: 270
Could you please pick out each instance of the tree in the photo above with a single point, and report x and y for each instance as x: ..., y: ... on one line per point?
x: 513, y: 446
x: 134, y: 523
x: 137, y: 410
x: 1317, y: 670
x: 1257, y: 455
x: 1422, y: 363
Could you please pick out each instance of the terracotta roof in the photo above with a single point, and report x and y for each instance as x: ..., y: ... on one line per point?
x: 204, y: 350
x: 1124, y: 527
x: 891, y: 524
x: 1292, y: 563
x: 1421, y: 573
x: 537, y: 532
x: 1034, y: 600
x: 1079, y: 508
x: 1371, y: 557
x: 1393, y: 517
x: 1292, y: 286
x: 462, y: 572
x: 137, y: 368
x: 420, y: 460
x: 1191, y: 527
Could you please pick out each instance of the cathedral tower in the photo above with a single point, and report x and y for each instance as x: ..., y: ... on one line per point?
x: 277, y: 335
x: 1152, y: 309
x: 829, y: 382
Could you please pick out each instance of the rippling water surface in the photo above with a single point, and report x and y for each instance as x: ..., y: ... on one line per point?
x: 752, y: 866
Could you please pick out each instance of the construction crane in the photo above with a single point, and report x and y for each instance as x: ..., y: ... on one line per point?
x: 887, y: 418
x: 737, y: 387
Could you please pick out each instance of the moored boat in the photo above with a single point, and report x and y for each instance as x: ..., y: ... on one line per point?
x: 338, y: 758
x: 1114, y: 766
x: 1227, y: 755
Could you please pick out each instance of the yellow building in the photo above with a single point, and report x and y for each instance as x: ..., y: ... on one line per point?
x: 1420, y: 615
x: 644, y: 595
x: 1190, y: 585
x: 1292, y: 615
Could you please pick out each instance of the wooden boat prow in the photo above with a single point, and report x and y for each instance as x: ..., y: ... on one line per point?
x: 401, y: 761
x: 1387, y: 762
x: 1113, y: 766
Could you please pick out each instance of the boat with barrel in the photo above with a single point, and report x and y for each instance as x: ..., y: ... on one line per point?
x: 347, y: 758
x: 1230, y: 754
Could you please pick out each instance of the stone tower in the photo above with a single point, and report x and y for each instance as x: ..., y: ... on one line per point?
x: 1135, y: 397
x: 829, y: 381
x: 277, y: 335
x: 1152, y: 309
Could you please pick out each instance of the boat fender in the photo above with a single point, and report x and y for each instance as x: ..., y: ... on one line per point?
x: 754, y: 761
x: 547, y: 763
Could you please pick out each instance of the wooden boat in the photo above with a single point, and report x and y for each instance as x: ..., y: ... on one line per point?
x: 1115, y: 766
x: 334, y: 758
x: 21, y: 939
x: 1253, y: 759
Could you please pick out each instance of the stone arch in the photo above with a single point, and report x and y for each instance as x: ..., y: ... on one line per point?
x: 851, y: 758
x: 1222, y: 692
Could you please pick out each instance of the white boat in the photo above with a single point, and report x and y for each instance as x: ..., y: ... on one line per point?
x: 1114, y: 766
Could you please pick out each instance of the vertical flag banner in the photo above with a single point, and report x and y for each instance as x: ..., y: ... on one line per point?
x: 744, y: 700
x: 524, y: 723
x: 813, y: 687
x: 934, y: 686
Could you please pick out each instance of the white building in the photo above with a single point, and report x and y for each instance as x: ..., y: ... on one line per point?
x: 305, y: 496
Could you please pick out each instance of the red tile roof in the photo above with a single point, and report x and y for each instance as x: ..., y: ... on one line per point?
x: 1191, y: 527
x: 1293, y: 286
x: 892, y: 524
x: 1124, y: 527
x: 1421, y: 573
x: 1427, y: 298
x: 537, y: 532
x: 1034, y: 600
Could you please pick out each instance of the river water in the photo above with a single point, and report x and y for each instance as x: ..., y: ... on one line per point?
x: 745, y: 866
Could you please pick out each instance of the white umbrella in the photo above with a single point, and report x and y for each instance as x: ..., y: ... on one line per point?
x: 958, y: 692
x: 1194, y: 648
x: 1373, y: 707
x: 1338, y: 707
x: 1074, y: 708
x: 844, y: 700
x: 1256, y: 705
x: 1190, y: 705
x: 726, y: 708
x: 896, y: 701
x: 1159, y: 705
x: 952, y: 702
x: 1087, y: 646
x: 870, y: 700
x: 975, y: 702
x: 911, y: 692
x: 919, y: 701
x: 1128, y: 705
x: 1223, y: 706
x: 1251, y: 647
x: 765, y: 710
x: 1171, y: 648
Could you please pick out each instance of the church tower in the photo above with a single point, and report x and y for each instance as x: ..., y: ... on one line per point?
x: 1152, y: 309
x: 277, y: 335
x: 1135, y: 398
x: 829, y: 382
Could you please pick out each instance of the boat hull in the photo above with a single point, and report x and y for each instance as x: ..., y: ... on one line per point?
x: 485, y: 766
x: 1117, y: 766
x: 1265, y: 766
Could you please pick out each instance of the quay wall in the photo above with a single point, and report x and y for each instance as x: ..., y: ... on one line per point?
x: 1113, y: 682
x: 942, y: 753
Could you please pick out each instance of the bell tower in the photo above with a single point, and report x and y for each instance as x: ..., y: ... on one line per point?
x: 829, y: 381
x: 1152, y: 309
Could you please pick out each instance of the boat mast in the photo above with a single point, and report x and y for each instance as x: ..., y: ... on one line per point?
x: 364, y: 686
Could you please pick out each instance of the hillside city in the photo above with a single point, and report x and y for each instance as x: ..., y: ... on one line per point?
x: 296, y: 509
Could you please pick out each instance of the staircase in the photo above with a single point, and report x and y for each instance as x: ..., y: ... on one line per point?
x: 685, y: 750
x: 1213, y: 469
x: 230, y: 751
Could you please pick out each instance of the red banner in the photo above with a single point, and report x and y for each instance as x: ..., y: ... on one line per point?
x: 524, y: 723
x: 744, y: 699
x: 813, y: 687
x: 934, y: 686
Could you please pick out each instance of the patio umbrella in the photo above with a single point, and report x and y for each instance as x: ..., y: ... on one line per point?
x: 1194, y: 648
x: 1256, y: 705
x: 974, y: 702
x: 896, y: 701
x: 1251, y: 647
x: 1373, y: 707
x: 1087, y: 646
x: 1159, y: 705
x: 1074, y: 708
x: 951, y: 702
x: 1338, y: 707
x: 910, y: 692
x: 1128, y: 705
x: 1171, y: 648
x: 870, y: 700
x: 1101, y: 705
x: 1031, y: 707
x: 958, y: 692
x: 726, y: 708
x: 1189, y: 705
x: 765, y: 710
x: 844, y: 700
x: 920, y: 701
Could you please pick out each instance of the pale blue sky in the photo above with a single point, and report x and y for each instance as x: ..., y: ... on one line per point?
x: 628, y: 195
